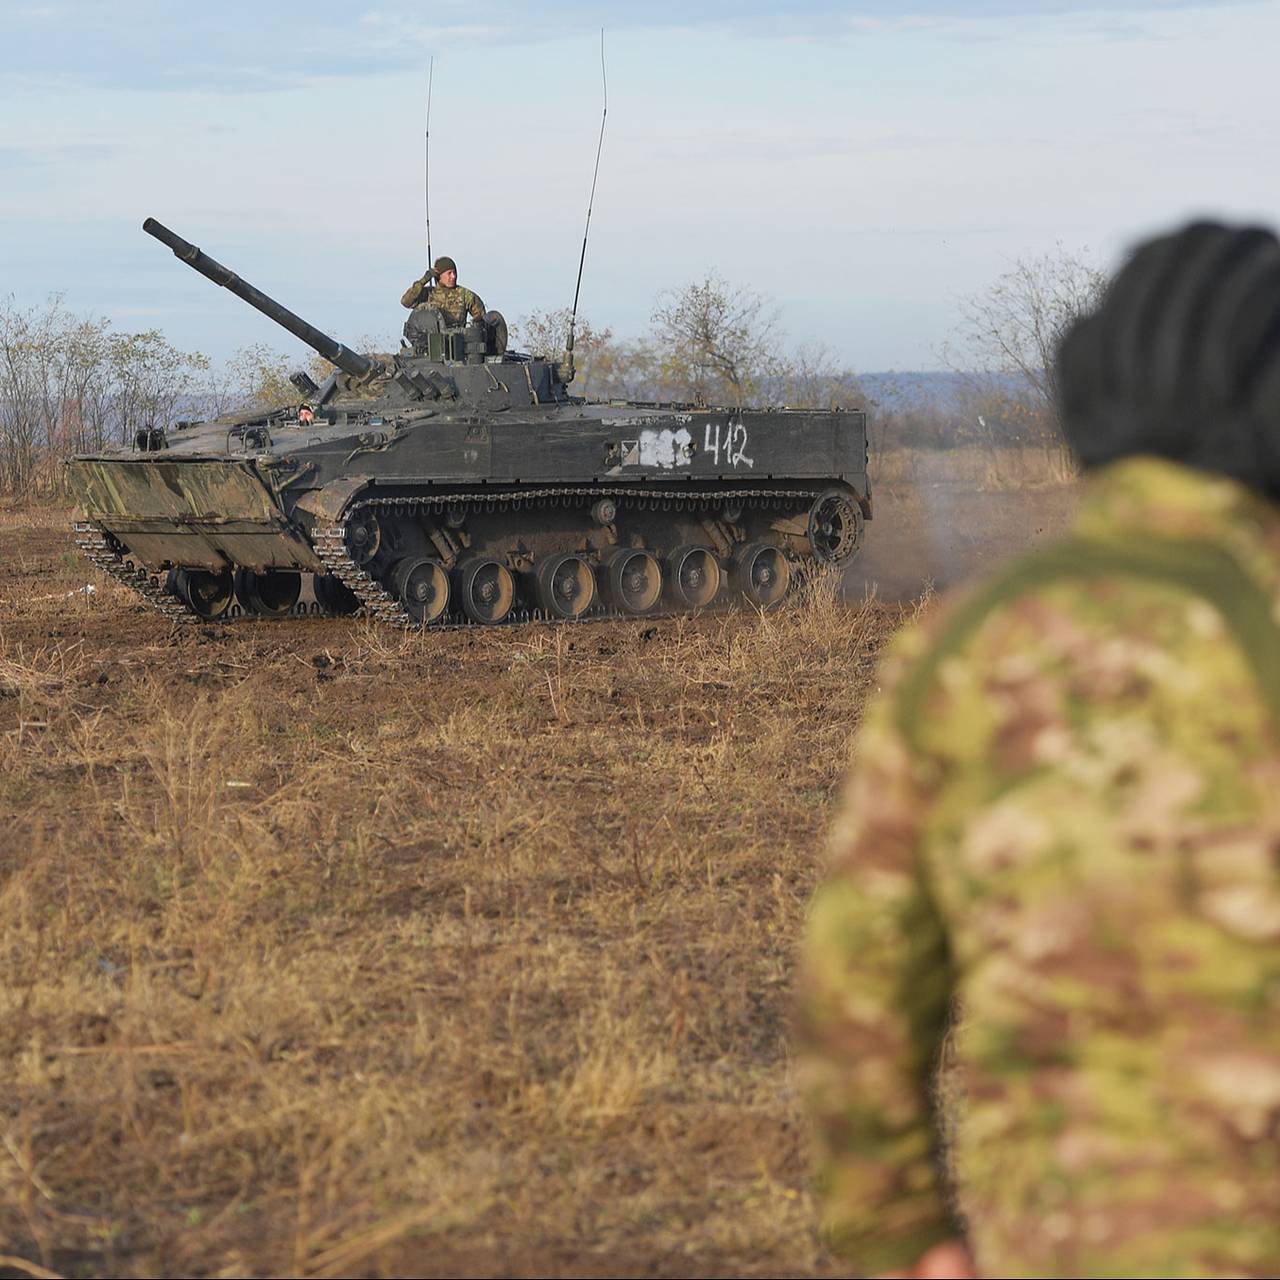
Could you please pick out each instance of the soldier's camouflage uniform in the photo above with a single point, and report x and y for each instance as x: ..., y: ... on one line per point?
x: 1064, y: 821
x: 454, y: 304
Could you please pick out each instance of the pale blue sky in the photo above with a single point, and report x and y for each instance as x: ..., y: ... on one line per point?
x: 866, y: 164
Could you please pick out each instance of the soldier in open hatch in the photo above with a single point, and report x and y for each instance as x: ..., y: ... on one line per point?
x: 1063, y: 829
x: 451, y: 299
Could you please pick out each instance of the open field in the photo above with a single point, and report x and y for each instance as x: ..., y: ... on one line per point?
x: 935, y: 533
x: 332, y: 950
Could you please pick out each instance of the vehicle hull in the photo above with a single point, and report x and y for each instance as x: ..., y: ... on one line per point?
x: 189, y: 513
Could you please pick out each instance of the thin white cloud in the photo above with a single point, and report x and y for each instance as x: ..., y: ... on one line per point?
x: 145, y: 44
x: 900, y: 158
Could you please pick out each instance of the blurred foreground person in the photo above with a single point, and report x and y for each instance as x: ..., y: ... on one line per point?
x: 1064, y: 823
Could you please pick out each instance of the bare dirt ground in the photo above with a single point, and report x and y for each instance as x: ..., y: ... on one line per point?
x: 329, y: 950
x: 937, y: 535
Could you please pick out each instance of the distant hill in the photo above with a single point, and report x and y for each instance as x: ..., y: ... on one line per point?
x: 915, y: 389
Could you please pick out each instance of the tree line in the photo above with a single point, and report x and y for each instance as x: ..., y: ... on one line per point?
x: 72, y: 383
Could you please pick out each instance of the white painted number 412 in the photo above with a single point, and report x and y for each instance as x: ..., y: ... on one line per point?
x: 731, y: 445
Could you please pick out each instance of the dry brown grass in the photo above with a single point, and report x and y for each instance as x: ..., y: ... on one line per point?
x: 332, y: 950
x: 977, y: 467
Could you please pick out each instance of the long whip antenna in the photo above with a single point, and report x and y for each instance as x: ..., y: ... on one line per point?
x: 426, y: 165
x: 573, y: 317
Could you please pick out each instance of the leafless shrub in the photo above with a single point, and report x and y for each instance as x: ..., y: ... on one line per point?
x: 71, y: 384
x: 717, y: 339
x: 1015, y: 326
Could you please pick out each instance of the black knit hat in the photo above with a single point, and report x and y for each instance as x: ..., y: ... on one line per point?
x: 1182, y: 358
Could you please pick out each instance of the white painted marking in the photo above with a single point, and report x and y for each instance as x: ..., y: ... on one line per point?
x: 666, y: 449
x: 732, y: 444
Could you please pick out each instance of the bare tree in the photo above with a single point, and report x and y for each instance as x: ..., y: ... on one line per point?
x: 54, y: 373
x: 709, y: 340
x: 1015, y: 326
x: 151, y: 378
x: 256, y: 378
x: 813, y: 378
x: 716, y: 338
x: 68, y: 383
x: 544, y: 334
x: 22, y: 333
x: 605, y: 368
x: 88, y: 387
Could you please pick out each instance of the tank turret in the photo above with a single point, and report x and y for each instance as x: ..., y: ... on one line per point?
x: 441, y: 362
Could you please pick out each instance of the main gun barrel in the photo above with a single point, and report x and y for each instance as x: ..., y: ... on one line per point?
x: 348, y: 361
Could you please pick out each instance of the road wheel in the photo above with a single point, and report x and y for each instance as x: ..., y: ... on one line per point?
x: 761, y: 573
x: 693, y: 575
x: 486, y: 590
x: 634, y: 579
x: 565, y: 585
x: 270, y: 595
x: 423, y: 588
x: 207, y: 594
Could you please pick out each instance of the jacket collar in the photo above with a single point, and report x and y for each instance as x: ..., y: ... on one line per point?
x: 1144, y: 496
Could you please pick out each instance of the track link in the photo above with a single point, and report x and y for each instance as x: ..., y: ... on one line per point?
x: 105, y: 553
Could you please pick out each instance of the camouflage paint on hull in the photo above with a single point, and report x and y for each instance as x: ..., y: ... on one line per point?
x: 201, y: 514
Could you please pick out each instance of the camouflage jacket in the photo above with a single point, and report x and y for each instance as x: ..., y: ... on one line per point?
x: 454, y: 304
x: 1059, y: 858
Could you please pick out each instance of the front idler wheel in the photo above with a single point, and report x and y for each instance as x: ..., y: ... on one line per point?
x: 270, y: 595
x: 363, y: 537
x: 486, y: 590
x: 835, y: 528
x: 565, y: 585
x: 422, y: 586
x: 634, y: 578
x: 761, y: 573
x: 334, y: 596
x: 207, y: 594
x: 694, y: 575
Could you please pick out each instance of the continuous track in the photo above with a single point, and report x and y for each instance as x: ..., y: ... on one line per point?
x: 105, y: 553
x: 330, y: 544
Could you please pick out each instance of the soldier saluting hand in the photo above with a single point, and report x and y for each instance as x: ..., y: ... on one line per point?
x: 440, y: 289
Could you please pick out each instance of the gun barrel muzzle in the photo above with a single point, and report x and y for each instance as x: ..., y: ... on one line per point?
x: 348, y: 361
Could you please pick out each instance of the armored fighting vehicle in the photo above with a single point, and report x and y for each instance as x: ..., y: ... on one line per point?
x: 458, y: 482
